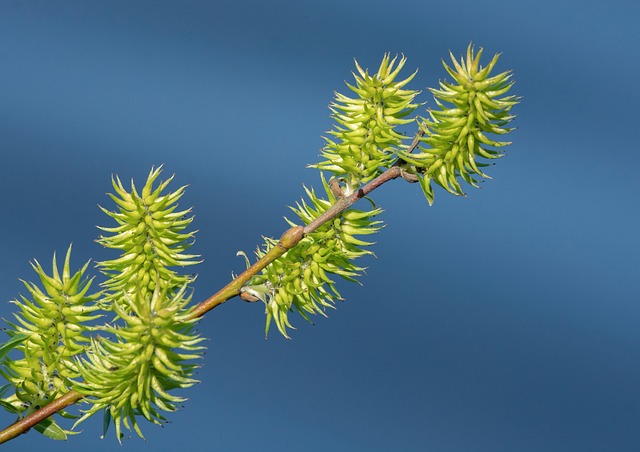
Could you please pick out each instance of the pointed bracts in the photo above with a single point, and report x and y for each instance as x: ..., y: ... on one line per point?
x: 458, y: 133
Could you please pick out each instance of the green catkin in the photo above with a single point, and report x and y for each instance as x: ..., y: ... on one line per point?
x: 455, y: 135
x: 301, y: 280
x: 365, y: 137
x: 151, y: 342
x: 55, y: 321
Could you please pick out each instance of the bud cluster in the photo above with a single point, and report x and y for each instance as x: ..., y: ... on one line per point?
x: 150, y: 356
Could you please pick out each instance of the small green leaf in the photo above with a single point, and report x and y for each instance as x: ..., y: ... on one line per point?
x: 5, y: 388
x: 7, y: 406
x: 11, y: 344
x: 51, y: 430
x: 67, y: 415
x: 106, y: 421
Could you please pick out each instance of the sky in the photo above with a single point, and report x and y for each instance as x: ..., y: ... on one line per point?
x: 507, y: 320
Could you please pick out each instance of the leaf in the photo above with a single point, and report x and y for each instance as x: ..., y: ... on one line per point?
x: 106, y: 421
x: 5, y: 388
x: 51, y: 430
x: 12, y: 343
x: 7, y: 406
x: 67, y: 415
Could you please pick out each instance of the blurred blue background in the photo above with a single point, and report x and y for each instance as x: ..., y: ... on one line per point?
x: 506, y: 321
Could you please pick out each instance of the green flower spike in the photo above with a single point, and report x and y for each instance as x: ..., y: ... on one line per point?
x: 300, y: 279
x: 54, y: 321
x: 456, y: 136
x: 150, y: 356
x: 365, y: 135
x: 151, y: 237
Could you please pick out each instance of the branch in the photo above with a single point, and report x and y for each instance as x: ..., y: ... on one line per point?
x: 25, y: 424
x: 290, y: 238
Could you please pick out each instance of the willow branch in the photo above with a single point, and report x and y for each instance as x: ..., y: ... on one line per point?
x: 289, y: 239
x: 25, y: 424
x: 292, y: 236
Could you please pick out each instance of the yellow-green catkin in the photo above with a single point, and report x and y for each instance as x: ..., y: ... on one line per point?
x: 456, y: 134
x: 365, y: 138
x: 148, y: 350
x: 54, y: 316
x: 302, y: 279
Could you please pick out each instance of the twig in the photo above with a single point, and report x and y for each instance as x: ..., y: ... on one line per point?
x: 50, y: 409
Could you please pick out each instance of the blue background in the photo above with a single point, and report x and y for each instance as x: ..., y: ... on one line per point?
x: 506, y: 321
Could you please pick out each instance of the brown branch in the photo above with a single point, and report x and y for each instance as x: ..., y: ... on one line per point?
x: 25, y: 424
x: 293, y: 236
x: 344, y: 203
x: 289, y: 239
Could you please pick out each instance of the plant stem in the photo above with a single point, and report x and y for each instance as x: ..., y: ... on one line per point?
x: 292, y: 236
x: 25, y: 424
x: 289, y: 239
